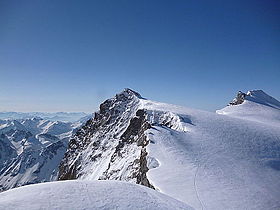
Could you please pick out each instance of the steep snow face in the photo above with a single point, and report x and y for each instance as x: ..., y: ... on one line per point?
x: 87, y: 195
x: 259, y: 96
x: 216, y: 161
x: 256, y: 106
x: 31, y: 150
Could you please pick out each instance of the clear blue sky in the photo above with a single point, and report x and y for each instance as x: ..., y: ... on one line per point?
x: 71, y: 55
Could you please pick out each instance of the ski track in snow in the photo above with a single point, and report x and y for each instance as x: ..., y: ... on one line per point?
x: 196, y: 188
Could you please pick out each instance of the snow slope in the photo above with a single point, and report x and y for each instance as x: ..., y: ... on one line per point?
x: 85, y: 195
x: 207, y: 160
x: 257, y: 106
x: 216, y: 161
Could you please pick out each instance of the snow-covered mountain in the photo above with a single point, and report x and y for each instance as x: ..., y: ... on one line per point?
x: 31, y: 150
x: 224, y: 160
x: 229, y: 160
x: 255, y: 105
x: 51, y: 116
x: 80, y: 195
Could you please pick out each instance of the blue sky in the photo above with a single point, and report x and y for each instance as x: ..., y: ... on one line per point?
x: 71, y: 55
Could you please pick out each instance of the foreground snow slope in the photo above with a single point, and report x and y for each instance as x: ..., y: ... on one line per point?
x: 87, y: 195
x: 213, y: 161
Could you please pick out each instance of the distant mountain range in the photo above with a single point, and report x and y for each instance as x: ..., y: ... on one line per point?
x: 52, y: 116
x: 31, y: 150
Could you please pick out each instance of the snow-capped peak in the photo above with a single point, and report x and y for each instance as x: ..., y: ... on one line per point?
x: 129, y: 93
x: 255, y: 105
x: 257, y: 96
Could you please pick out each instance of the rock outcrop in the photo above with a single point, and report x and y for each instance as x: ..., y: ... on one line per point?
x: 111, y: 145
x: 239, y: 99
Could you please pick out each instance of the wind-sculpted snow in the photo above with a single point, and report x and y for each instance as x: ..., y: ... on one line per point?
x: 31, y: 150
x: 85, y: 195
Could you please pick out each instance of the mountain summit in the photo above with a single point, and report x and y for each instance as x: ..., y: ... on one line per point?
x: 255, y: 105
x: 257, y: 96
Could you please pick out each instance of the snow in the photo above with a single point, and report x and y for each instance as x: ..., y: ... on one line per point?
x: 258, y: 107
x: 260, y: 97
x: 217, y: 161
x: 207, y: 160
x: 224, y: 160
x: 87, y: 195
x: 95, y: 160
x: 31, y: 150
x: 252, y: 111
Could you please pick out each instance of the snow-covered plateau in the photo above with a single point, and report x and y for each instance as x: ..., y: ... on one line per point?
x: 224, y: 160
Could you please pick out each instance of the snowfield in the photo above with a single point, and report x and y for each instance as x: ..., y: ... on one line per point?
x: 216, y: 161
x: 78, y: 195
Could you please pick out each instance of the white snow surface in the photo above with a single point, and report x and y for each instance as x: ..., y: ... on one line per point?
x: 258, y: 106
x: 224, y: 160
x: 31, y: 150
x: 78, y: 195
x: 214, y: 161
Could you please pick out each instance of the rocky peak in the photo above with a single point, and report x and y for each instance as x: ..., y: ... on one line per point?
x: 100, y: 134
x: 239, y: 99
x: 129, y: 93
x: 111, y: 145
x: 256, y: 96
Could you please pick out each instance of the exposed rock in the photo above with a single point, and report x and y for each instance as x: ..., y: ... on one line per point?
x: 239, y: 99
x: 111, y: 145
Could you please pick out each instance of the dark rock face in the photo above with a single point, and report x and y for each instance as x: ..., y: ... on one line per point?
x: 134, y: 134
x: 114, y: 138
x: 136, y: 127
x: 7, y: 153
x: 239, y: 99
